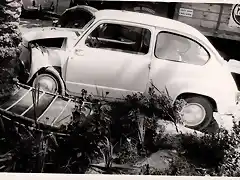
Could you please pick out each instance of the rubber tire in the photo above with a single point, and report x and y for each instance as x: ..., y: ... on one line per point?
x: 208, y: 108
x: 49, y: 74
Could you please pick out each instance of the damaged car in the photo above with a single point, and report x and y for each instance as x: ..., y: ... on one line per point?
x: 48, y: 40
x: 119, y: 53
x: 51, y: 40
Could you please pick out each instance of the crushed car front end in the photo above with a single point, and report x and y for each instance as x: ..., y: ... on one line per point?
x: 38, y: 43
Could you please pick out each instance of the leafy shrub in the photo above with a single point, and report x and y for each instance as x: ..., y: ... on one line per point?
x: 178, y: 167
x: 217, y: 153
x: 101, y: 131
x: 128, y: 153
x: 10, y: 39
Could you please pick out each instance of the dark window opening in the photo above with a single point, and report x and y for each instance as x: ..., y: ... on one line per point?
x: 50, y: 42
x: 120, y: 38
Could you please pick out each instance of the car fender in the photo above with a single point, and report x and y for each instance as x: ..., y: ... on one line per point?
x: 52, y: 70
x: 45, y: 57
x: 194, y: 92
x: 42, y: 60
x: 222, y: 97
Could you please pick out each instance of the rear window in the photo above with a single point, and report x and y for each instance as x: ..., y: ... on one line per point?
x: 178, y: 48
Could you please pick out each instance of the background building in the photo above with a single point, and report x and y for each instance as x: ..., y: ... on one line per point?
x: 219, y: 22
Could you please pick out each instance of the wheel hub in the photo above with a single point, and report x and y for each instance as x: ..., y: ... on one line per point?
x: 193, y: 114
x: 46, y: 83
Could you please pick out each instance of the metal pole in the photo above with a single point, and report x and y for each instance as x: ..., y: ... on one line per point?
x: 219, y: 18
x: 57, y: 6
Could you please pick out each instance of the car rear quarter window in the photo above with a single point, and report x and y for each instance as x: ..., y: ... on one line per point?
x: 174, y: 47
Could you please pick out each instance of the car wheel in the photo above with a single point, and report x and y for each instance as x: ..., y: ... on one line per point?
x: 46, y: 82
x: 197, y: 113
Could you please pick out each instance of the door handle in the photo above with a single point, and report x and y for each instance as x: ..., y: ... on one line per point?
x: 79, y: 52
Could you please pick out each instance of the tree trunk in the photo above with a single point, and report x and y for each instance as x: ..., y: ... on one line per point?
x: 10, y: 38
x: 10, y: 10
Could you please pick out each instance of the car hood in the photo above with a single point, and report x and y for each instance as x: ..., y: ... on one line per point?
x: 50, y: 32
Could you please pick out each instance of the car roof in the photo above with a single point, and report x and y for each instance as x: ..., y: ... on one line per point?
x: 148, y: 19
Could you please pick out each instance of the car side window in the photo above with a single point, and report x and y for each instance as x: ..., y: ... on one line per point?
x: 175, y: 47
x: 116, y: 37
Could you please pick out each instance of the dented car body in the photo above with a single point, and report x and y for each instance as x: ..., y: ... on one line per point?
x: 120, y: 52
x: 46, y: 41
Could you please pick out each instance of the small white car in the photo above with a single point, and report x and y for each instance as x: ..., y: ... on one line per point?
x: 122, y: 52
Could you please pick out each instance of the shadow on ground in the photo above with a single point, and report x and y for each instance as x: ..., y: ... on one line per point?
x: 213, y: 127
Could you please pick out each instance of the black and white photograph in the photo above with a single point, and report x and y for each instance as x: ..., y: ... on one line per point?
x: 120, y: 87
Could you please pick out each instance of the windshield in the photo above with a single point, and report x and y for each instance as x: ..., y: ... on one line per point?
x: 85, y: 28
x: 88, y: 24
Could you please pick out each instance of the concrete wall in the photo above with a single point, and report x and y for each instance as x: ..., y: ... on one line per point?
x: 210, y: 19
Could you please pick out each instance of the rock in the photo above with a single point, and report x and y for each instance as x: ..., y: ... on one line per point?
x: 171, y: 128
x: 160, y: 160
x: 170, y: 134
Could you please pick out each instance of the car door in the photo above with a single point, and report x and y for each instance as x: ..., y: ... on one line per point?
x: 111, y: 63
x: 179, y: 63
